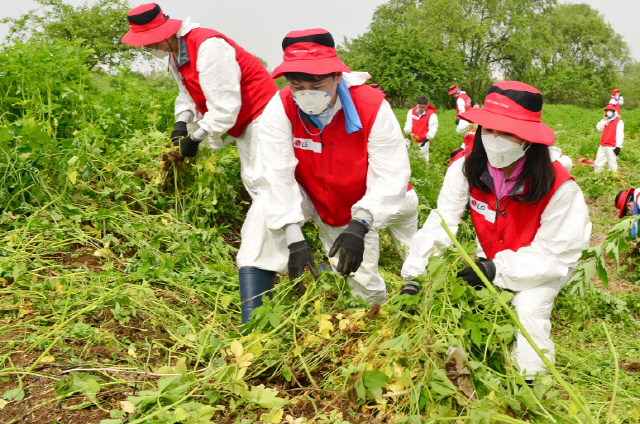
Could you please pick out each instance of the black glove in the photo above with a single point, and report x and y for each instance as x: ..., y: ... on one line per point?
x: 616, y: 151
x: 351, y: 245
x: 410, y: 289
x: 179, y: 131
x: 423, y: 142
x: 457, y: 121
x: 188, y: 146
x: 301, y: 255
x: 636, y: 250
x: 469, y: 275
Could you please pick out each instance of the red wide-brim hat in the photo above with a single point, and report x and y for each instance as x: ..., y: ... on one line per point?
x: 453, y: 89
x: 622, y: 201
x: 513, y: 107
x: 611, y: 106
x: 148, y: 25
x: 310, y: 51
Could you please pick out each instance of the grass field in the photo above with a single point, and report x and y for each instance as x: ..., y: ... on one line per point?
x: 119, y: 298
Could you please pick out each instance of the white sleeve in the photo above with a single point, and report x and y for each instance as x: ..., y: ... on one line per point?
x: 220, y: 76
x: 460, y: 105
x: 433, y: 126
x: 462, y: 124
x: 184, y: 102
x: 389, y: 170
x: 565, y: 230
x: 452, y: 202
x: 463, y: 127
x: 620, y: 134
x: 276, y: 184
x: 601, y: 124
x: 621, y: 100
x: 408, y: 126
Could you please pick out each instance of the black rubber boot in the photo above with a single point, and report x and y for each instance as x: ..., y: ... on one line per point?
x: 254, y: 283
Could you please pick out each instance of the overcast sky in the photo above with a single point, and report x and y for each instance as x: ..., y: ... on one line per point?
x: 260, y: 25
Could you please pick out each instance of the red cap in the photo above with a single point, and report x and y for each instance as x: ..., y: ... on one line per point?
x: 615, y: 91
x: 147, y: 25
x: 611, y: 106
x: 311, y: 51
x: 513, y: 107
x: 453, y: 89
x: 621, y: 200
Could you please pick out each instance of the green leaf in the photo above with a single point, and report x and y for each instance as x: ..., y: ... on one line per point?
x: 13, y: 395
x: 286, y: 374
x: 264, y: 397
x: 374, y: 379
x: 361, y: 392
x: 111, y: 422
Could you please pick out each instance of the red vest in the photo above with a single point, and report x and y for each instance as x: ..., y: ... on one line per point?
x: 467, y: 103
x: 516, y: 223
x: 256, y: 85
x: 420, y: 124
x: 609, y: 133
x: 332, y: 166
x: 616, y: 103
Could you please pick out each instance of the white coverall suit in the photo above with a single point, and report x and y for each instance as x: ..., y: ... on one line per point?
x: 535, y: 273
x: 285, y: 206
x: 220, y: 76
x: 433, y: 129
x: 605, y: 153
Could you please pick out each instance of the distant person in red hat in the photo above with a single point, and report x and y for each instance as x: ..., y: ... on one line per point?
x: 616, y: 99
x: 626, y: 202
x: 529, y: 214
x: 422, y: 125
x: 463, y: 104
x: 612, y: 129
x: 467, y: 141
x: 331, y: 150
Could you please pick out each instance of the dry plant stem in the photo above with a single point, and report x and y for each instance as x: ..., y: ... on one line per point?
x: 550, y: 366
x: 617, y: 373
x: 298, y: 352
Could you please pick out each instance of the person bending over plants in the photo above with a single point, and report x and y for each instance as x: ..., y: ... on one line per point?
x: 331, y: 150
x: 529, y: 214
x: 627, y: 203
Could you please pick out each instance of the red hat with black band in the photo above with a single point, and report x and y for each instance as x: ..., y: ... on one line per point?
x: 611, y: 106
x: 311, y: 51
x: 513, y: 107
x: 453, y: 89
x: 622, y: 199
x: 148, y: 25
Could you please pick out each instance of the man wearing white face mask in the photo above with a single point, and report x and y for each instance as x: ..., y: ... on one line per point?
x: 331, y: 150
x: 529, y: 214
x: 612, y: 129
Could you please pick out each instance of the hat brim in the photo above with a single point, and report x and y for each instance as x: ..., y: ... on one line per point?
x: 154, y: 35
x: 535, y: 132
x: 454, y: 91
x: 322, y: 66
x: 624, y: 202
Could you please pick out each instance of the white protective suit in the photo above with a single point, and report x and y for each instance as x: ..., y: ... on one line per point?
x: 433, y: 129
x: 463, y: 126
x: 535, y: 273
x: 605, y: 153
x: 220, y: 75
x: 285, y: 206
x: 403, y: 225
x: 556, y: 155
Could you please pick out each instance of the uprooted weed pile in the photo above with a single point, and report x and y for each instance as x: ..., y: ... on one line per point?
x: 119, y: 297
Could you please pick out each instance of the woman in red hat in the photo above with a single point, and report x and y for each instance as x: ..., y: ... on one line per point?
x: 616, y: 99
x: 626, y: 202
x: 612, y: 129
x: 332, y: 151
x: 529, y: 214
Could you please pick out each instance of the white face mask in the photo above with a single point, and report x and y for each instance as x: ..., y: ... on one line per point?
x: 313, y: 102
x: 501, y: 151
x: 609, y: 113
x: 160, y: 54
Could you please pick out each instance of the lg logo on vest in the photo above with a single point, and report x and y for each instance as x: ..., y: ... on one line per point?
x: 483, y: 209
x: 307, y: 144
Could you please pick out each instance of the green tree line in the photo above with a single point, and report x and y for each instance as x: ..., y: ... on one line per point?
x: 422, y: 47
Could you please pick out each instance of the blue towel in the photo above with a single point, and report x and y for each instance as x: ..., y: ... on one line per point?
x: 352, y: 120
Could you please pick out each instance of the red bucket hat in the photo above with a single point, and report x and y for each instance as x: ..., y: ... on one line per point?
x: 622, y: 199
x: 615, y: 91
x: 147, y: 25
x: 311, y: 51
x: 611, y: 106
x: 453, y: 89
x: 513, y: 107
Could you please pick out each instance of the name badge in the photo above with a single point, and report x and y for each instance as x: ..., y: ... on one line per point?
x: 483, y: 209
x: 307, y: 144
